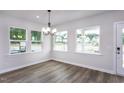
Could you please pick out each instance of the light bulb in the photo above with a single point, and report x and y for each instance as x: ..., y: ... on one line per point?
x: 54, y: 30
x: 43, y: 29
x: 48, y: 29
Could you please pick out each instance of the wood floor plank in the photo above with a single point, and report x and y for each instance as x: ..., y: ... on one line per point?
x: 58, y: 72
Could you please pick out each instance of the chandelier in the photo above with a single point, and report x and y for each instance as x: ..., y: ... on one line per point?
x: 49, y: 30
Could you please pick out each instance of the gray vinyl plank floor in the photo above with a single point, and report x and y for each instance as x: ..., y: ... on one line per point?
x: 58, y: 72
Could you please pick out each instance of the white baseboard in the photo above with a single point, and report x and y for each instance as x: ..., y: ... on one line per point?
x: 41, y: 61
x: 22, y: 66
x: 86, y: 66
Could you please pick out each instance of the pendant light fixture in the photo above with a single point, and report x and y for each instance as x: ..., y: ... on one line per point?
x: 49, y: 30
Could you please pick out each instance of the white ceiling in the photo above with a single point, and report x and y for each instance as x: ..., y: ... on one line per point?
x: 57, y: 16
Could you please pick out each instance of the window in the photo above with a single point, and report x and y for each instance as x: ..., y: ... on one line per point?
x: 88, y: 40
x: 36, y: 41
x: 60, y: 41
x: 17, y: 40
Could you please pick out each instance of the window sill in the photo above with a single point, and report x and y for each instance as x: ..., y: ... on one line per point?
x: 36, y: 52
x: 24, y: 53
x: 99, y: 54
x: 18, y: 53
x: 60, y: 50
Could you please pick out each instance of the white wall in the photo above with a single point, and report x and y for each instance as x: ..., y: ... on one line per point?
x: 10, y: 62
x: 103, y: 62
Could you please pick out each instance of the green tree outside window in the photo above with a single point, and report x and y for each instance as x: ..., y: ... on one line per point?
x: 35, y: 36
x: 17, y: 34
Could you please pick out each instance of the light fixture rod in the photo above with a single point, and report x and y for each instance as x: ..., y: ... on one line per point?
x: 49, y: 20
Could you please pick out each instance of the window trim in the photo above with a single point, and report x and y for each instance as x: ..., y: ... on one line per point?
x: 41, y: 40
x: 10, y: 53
x: 88, y: 52
x: 54, y: 43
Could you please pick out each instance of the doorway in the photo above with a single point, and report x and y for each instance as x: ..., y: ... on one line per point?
x: 120, y: 48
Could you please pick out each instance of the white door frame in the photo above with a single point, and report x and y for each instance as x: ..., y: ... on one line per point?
x: 115, y: 46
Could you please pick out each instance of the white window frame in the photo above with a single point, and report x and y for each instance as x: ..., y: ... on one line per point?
x: 88, y: 52
x: 10, y: 53
x: 41, y: 40
x: 54, y: 43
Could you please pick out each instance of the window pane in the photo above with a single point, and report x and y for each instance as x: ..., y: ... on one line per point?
x: 17, y: 47
x: 88, y: 40
x: 36, y: 46
x: 79, y: 40
x: 60, y: 41
x: 35, y: 36
x: 17, y: 34
x: 123, y: 45
x: 36, y: 41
